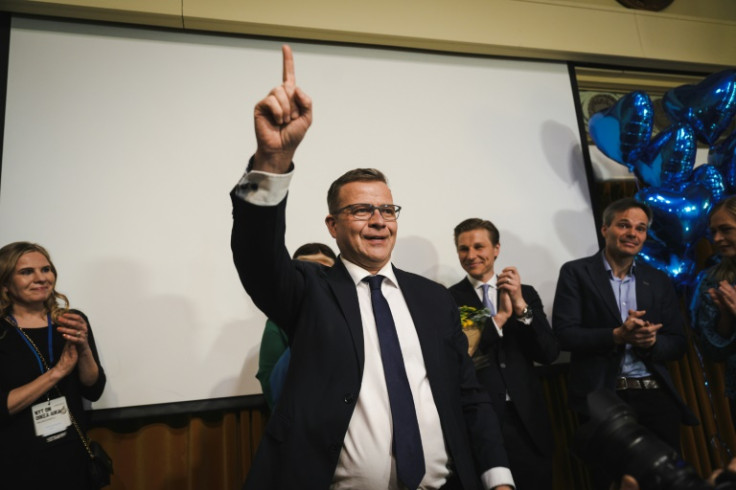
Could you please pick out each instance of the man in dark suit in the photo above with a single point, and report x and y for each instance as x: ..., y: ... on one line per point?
x: 357, y: 330
x: 515, y: 337
x: 621, y: 321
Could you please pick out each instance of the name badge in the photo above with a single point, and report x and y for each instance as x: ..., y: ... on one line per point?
x: 51, y: 417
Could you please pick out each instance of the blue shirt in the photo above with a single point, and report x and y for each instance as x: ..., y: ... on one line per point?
x: 625, y: 292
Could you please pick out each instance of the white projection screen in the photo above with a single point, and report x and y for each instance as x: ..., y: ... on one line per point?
x: 121, y: 145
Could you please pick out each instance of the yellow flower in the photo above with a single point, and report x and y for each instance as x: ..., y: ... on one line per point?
x: 472, y: 317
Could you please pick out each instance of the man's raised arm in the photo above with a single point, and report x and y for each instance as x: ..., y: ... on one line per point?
x: 281, y: 121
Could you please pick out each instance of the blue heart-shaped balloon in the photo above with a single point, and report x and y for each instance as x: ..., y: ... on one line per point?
x: 680, y: 215
x: 708, y: 106
x: 679, y: 267
x: 669, y: 159
x: 723, y: 157
x: 709, y: 176
x: 623, y: 131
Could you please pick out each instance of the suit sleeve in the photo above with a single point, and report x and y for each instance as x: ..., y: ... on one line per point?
x: 671, y: 341
x: 536, y: 339
x: 481, y: 420
x: 266, y: 271
x: 572, y: 298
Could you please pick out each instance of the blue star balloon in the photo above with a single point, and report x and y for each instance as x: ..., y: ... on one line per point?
x: 707, y: 106
x: 679, y: 267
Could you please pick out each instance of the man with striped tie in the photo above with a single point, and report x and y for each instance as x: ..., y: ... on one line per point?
x: 515, y: 335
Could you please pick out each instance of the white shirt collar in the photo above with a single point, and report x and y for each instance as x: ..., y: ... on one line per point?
x: 476, y: 283
x: 357, y: 273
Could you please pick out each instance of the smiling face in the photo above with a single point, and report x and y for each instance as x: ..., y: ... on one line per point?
x: 626, y: 234
x: 723, y: 232
x: 33, y: 280
x: 477, y: 254
x: 365, y: 243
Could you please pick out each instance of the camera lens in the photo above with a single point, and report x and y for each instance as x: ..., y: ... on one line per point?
x: 615, y: 442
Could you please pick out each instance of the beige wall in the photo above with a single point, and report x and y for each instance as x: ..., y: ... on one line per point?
x: 693, y: 35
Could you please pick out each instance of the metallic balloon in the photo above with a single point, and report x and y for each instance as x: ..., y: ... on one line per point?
x: 710, y: 177
x: 623, y: 131
x: 723, y: 157
x: 707, y: 106
x: 680, y: 215
x: 669, y: 159
x: 679, y: 267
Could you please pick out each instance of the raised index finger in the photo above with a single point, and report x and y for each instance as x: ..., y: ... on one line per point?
x: 288, y: 76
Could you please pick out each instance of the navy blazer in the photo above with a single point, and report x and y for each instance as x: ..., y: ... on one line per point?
x: 512, y: 359
x: 584, y: 314
x: 318, y: 308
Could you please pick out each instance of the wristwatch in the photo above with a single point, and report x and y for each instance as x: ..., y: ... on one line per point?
x: 527, y: 314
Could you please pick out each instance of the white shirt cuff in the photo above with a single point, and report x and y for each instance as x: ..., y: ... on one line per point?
x: 499, y: 330
x: 263, y: 188
x: 497, y: 476
x: 525, y: 321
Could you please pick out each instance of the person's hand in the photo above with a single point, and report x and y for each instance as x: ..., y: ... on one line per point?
x: 509, y: 280
x: 724, y: 296
x: 628, y: 483
x: 637, y: 331
x: 67, y: 360
x: 731, y: 468
x: 281, y: 121
x: 505, y: 309
x: 75, y: 330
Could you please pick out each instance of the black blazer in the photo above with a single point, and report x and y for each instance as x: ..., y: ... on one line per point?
x: 318, y: 308
x: 585, y: 312
x: 512, y: 359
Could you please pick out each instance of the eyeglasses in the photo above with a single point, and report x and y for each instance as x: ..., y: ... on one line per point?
x: 364, y: 212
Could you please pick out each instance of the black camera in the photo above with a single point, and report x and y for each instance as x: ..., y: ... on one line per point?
x: 615, y: 442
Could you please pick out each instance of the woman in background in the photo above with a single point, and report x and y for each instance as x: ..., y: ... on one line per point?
x: 714, y: 303
x: 48, y: 363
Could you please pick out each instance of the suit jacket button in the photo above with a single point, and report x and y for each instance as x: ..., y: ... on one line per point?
x: 349, y: 398
x: 503, y: 365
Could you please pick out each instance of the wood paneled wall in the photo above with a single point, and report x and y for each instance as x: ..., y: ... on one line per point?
x: 215, y: 450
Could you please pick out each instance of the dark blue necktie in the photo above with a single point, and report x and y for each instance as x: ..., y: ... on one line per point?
x: 407, y: 442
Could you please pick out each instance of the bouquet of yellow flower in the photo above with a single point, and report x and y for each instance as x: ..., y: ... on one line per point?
x: 471, y: 317
x: 473, y: 320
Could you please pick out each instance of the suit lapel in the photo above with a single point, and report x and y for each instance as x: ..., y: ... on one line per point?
x: 643, y: 288
x: 421, y: 315
x: 601, y: 282
x: 470, y: 297
x: 343, y: 288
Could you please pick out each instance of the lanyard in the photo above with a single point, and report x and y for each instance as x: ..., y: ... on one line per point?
x: 28, y: 343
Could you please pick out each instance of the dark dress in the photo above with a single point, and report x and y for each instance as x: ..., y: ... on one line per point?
x: 28, y: 461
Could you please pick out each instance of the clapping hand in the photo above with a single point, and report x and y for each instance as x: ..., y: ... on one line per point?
x: 724, y: 296
x: 637, y: 331
x: 509, y: 281
x: 75, y: 331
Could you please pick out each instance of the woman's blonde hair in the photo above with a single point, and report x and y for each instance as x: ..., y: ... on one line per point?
x: 725, y: 270
x: 56, y: 304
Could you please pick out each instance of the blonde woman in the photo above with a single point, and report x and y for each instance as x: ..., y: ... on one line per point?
x: 48, y: 363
